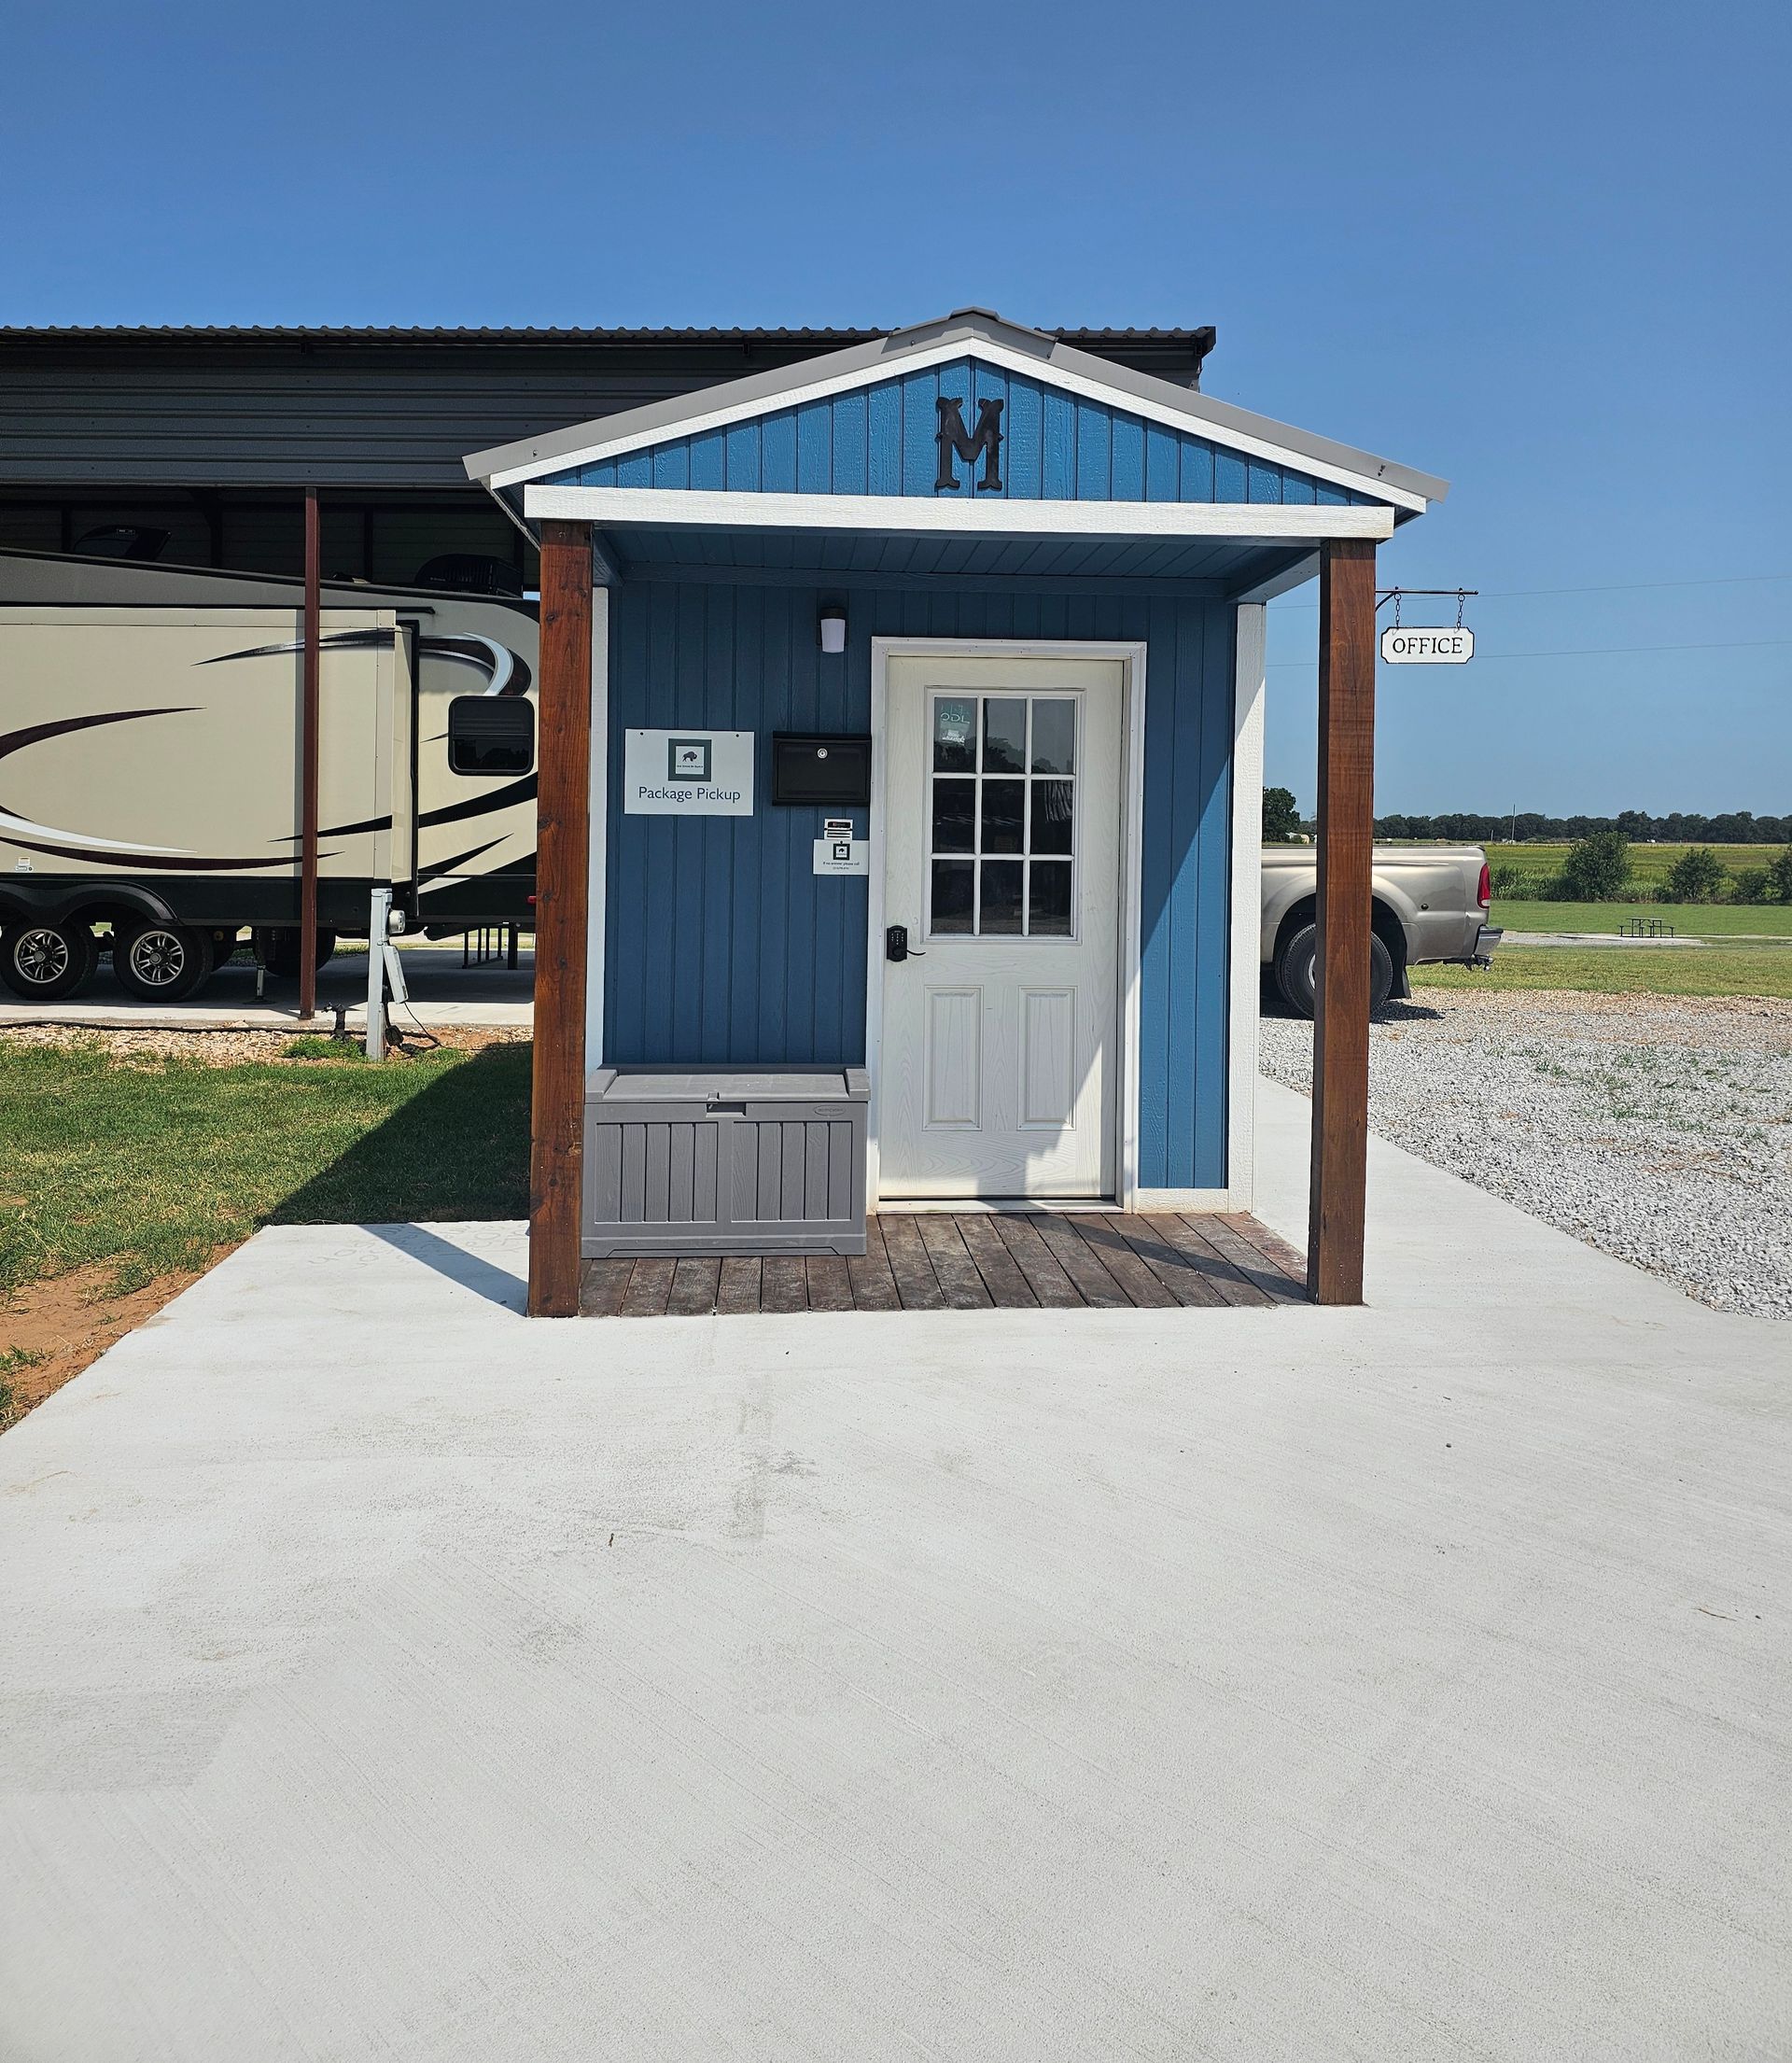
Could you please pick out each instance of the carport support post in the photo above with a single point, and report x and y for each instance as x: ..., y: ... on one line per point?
x: 563, y: 845
x: 308, y: 729
x: 1346, y: 829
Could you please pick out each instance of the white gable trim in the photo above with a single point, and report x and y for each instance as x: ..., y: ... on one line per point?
x: 668, y: 506
x: 1049, y: 373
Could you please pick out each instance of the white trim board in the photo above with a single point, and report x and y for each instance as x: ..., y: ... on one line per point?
x: 1172, y: 411
x: 597, y: 868
x: 1131, y: 653
x: 664, y: 507
x: 1245, y: 972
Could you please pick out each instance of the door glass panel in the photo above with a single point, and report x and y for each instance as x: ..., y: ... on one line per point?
x: 955, y: 735
x: 953, y: 888
x: 1053, y: 807
x: 1003, y: 795
x: 1000, y: 896
x: 1004, y: 735
x: 955, y: 816
x: 1005, y: 815
x: 1048, y: 899
x: 1053, y: 736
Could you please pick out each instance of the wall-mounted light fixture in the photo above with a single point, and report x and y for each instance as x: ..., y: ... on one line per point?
x: 831, y: 624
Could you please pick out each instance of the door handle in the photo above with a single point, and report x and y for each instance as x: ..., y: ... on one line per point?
x: 896, y: 945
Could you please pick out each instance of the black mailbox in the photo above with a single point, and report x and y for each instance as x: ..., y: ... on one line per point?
x: 812, y: 767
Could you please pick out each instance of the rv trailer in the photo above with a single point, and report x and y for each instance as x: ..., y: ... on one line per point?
x: 151, y: 774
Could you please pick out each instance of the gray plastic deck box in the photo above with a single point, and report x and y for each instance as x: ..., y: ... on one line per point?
x: 722, y: 1160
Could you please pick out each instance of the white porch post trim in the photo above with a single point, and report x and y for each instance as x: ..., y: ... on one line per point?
x: 1250, y: 674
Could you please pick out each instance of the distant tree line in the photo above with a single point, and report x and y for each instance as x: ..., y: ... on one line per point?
x: 1598, y: 870
x: 1735, y: 827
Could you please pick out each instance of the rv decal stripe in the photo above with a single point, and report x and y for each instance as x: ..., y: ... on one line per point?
x: 362, y: 641
x: 460, y: 812
x: 35, y: 733
x: 478, y: 805
x: 506, y: 672
x: 177, y: 864
x: 459, y: 860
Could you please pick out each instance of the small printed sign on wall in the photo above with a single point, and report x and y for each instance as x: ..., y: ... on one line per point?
x: 837, y: 851
x: 688, y: 773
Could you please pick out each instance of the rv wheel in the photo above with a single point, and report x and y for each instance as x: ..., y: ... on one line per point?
x: 45, y: 963
x: 276, y: 946
x: 160, y: 962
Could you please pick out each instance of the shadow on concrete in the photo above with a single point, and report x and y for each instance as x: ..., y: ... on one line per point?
x: 498, y: 1285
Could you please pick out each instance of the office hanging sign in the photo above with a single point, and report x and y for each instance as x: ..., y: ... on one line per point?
x: 688, y: 773
x: 1416, y: 647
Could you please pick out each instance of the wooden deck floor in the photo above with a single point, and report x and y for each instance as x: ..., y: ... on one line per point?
x: 969, y: 1261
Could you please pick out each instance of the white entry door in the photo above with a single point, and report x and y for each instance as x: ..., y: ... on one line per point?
x: 1001, y: 814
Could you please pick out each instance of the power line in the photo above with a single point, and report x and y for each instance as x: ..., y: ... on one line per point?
x: 1621, y: 587
x: 1588, y: 652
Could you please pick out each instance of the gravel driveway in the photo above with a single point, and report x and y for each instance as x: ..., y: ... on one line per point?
x: 1659, y: 1128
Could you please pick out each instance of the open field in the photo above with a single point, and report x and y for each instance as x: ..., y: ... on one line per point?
x: 1610, y: 971
x: 126, y: 1171
x: 1650, y: 865
x: 1689, y: 919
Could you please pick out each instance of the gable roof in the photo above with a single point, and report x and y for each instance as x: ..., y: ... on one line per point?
x: 983, y: 338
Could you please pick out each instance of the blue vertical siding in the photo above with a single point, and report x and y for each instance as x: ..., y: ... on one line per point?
x: 882, y: 440
x: 725, y: 948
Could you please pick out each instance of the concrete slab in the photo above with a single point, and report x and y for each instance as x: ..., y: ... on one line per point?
x: 442, y: 993
x: 389, y: 1675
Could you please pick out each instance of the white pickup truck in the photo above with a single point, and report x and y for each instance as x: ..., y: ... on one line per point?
x: 1431, y: 904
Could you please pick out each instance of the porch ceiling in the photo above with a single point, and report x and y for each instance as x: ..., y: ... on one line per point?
x: 1231, y: 564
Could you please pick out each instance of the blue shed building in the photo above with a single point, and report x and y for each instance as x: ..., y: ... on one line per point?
x: 924, y: 715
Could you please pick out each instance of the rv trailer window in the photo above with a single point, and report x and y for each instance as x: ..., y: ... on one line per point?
x: 491, y: 734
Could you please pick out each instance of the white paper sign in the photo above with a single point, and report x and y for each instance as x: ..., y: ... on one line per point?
x: 841, y: 856
x: 688, y: 773
x: 1427, y: 648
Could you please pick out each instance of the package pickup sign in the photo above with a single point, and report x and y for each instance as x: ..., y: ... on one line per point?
x: 688, y: 773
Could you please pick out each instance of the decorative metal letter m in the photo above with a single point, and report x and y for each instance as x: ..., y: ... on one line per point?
x: 988, y: 441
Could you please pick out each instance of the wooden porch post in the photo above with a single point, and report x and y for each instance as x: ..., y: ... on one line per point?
x: 562, y: 841
x: 1346, y: 828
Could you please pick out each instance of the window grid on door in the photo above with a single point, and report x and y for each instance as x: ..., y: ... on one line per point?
x: 1002, y: 815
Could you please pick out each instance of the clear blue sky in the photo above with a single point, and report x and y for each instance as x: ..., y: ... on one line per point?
x: 1541, y: 250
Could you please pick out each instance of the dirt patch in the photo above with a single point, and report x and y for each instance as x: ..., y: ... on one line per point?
x: 50, y: 1332
x: 229, y: 1049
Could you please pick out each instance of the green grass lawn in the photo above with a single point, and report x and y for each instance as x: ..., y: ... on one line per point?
x: 1610, y: 971
x: 1650, y: 865
x: 151, y: 1165
x: 1692, y: 920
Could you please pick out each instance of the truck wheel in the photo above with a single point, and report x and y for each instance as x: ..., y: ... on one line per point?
x: 45, y: 963
x: 276, y: 946
x: 160, y: 962
x: 1294, y: 958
